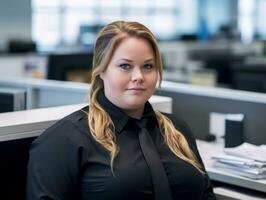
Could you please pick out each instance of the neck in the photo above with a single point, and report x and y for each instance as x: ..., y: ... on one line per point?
x: 135, y: 113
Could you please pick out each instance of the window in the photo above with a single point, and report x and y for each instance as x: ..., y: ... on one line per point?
x: 57, y: 22
x: 245, y: 20
x: 260, y: 25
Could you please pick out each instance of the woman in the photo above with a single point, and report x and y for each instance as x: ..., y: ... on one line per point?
x: 119, y: 147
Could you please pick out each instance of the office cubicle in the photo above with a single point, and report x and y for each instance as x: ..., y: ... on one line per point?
x: 195, y: 103
x: 192, y: 103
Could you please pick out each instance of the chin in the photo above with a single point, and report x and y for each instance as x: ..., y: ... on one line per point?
x: 137, y: 103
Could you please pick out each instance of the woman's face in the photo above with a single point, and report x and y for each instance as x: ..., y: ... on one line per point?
x: 131, y: 76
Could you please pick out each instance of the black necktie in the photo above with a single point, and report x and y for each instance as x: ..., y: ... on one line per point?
x: 159, y: 179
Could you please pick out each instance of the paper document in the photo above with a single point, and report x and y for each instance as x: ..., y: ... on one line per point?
x: 239, y: 161
x: 246, y: 150
x: 249, y: 173
x: 246, y: 160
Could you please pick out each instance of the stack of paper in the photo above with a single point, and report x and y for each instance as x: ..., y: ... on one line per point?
x: 246, y: 160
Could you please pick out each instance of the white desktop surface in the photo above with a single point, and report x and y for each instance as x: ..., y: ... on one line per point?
x: 206, y: 150
x: 30, y: 123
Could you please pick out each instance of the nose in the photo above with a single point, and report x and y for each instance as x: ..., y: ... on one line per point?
x: 137, y: 75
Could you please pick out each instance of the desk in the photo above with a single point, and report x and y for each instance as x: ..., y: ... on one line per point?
x: 206, y: 150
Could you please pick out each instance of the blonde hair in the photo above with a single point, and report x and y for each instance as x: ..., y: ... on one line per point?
x: 100, y: 123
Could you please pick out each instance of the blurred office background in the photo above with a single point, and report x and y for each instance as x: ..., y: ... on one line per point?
x: 207, y: 42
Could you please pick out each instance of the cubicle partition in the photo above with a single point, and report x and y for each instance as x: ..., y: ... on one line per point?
x: 42, y: 93
x: 195, y: 103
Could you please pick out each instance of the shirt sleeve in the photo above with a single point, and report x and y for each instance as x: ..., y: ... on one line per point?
x: 54, y: 164
x: 208, y: 193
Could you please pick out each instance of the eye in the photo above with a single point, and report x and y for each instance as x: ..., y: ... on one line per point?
x: 124, y: 66
x: 148, y: 66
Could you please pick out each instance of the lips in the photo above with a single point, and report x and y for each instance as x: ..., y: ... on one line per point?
x: 136, y: 89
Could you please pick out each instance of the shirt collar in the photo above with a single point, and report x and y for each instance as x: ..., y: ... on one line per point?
x: 119, y: 118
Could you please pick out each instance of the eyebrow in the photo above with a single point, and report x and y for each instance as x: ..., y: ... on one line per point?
x: 128, y: 60
x: 149, y: 60
x: 125, y: 59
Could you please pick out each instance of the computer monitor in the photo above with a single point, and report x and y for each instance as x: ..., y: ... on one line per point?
x: 70, y: 67
x: 21, y: 46
x: 251, y: 77
x: 88, y: 33
x: 189, y: 37
x: 195, y: 103
x: 12, y: 99
x: 220, y: 60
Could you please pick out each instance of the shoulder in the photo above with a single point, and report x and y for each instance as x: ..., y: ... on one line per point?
x: 72, y: 129
x: 57, y: 156
x: 186, y: 131
x: 183, y: 127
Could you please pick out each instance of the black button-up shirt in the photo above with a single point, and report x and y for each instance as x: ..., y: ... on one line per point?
x: 67, y: 163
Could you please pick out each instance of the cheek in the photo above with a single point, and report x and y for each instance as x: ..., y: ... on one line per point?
x: 153, y: 79
x: 116, y: 82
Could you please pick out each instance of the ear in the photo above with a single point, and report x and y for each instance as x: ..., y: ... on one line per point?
x: 102, y: 75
